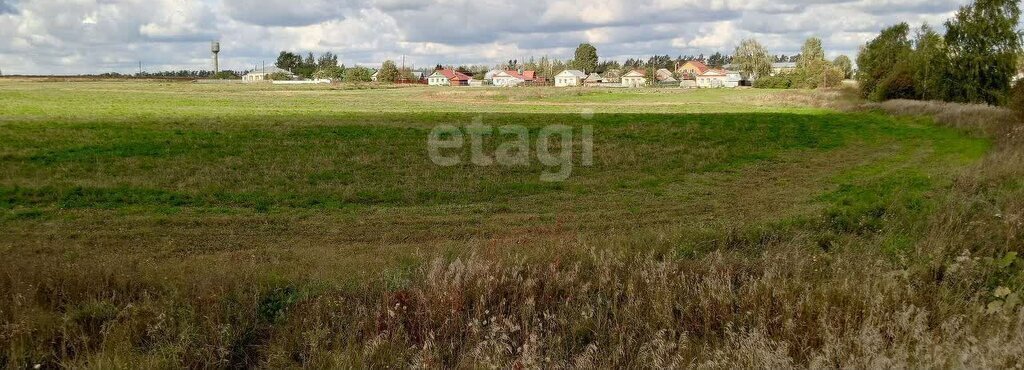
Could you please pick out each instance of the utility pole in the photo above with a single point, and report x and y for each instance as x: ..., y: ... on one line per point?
x: 140, y: 68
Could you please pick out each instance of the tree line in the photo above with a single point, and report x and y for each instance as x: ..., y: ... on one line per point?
x: 975, y: 61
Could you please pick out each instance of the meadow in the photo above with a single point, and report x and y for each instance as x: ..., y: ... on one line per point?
x: 167, y: 224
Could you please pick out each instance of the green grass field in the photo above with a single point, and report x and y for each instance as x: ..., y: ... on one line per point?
x: 180, y: 187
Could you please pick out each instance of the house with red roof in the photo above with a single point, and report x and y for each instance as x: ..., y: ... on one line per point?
x: 448, y: 77
x: 513, y: 78
x: 691, y: 69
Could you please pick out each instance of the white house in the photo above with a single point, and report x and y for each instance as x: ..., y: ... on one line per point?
x: 438, y: 79
x: 717, y: 78
x: 634, y: 79
x: 489, y: 76
x: 665, y: 76
x: 263, y: 74
x: 570, y: 77
x: 506, y: 79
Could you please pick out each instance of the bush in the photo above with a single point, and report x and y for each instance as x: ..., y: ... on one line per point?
x: 781, y: 81
x: 1016, y: 101
x: 279, y: 76
x: 899, y: 84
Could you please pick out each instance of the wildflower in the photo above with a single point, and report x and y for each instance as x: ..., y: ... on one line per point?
x: 1002, y: 292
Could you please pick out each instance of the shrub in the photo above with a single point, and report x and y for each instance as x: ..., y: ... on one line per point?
x: 898, y: 84
x: 781, y: 81
x: 279, y: 76
x: 1016, y: 101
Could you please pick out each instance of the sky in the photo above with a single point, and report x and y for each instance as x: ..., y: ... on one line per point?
x: 96, y: 36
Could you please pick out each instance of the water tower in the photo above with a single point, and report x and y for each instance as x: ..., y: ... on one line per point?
x: 215, y: 48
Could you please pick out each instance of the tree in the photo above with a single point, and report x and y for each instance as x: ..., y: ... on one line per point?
x: 845, y: 65
x: 335, y: 73
x: 752, y: 60
x: 812, y: 70
x: 327, y: 60
x: 650, y: 75
x: 930, y: 65
x: 358, y: 74
x: 288, y: 61
x: 388, y: 72
x: 717, y: 60
x: 585, y: 58
x: 983, y: 44
x: 811, y: 53
x: 880, y: 56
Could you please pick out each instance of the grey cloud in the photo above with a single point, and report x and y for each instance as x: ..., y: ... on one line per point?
x: 286, y: 13
x: 8, y: 7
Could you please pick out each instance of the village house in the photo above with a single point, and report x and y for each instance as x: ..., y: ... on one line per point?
x: 512, y: 78
x: 264, y: 74
x: 570, y: 77
x: 611, y: 76
x: 691, y: 69
x: 718, y: 78
x: 634, y: 78
x: 448, y: 77
x: 593, y: 80
x: 665, y: 76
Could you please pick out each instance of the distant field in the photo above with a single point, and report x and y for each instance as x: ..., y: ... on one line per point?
x: 187, y: 196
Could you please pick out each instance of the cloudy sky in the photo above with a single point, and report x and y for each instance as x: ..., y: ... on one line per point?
x: 94, y: 36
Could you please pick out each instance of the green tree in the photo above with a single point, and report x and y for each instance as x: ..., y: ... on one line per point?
x: 388, y: 72
x: 288, y: 61
x: 585, y: 58
x: 881, y: 55
x: 327, y: 60
x: 930, y: 65
x: 811, y: 53
x: 983, y: 44
x: 752, y: 59
x: 358, y: 74
x: 812, y: 70
x: 845, y: 65
x: 718, y: 60
x: 334, y: 73
x: 650, y: 75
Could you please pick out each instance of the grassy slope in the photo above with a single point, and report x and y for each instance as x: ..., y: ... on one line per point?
x: 202, y: 183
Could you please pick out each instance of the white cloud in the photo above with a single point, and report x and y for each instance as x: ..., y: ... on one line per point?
x: 93, y: 36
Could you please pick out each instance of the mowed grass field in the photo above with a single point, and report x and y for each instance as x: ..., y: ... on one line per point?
x: 287, y: 195
x: 339, y: 182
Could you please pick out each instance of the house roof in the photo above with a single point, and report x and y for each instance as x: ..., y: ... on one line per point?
x: 714, y: 73
x: 454, y: 75
x: 525, y: 76
x: 664, y: 75
x: 634, y: 73
x: 696, y: 64
x: 594, y: 77
x: 269, y: 69
x: 573, y: 72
